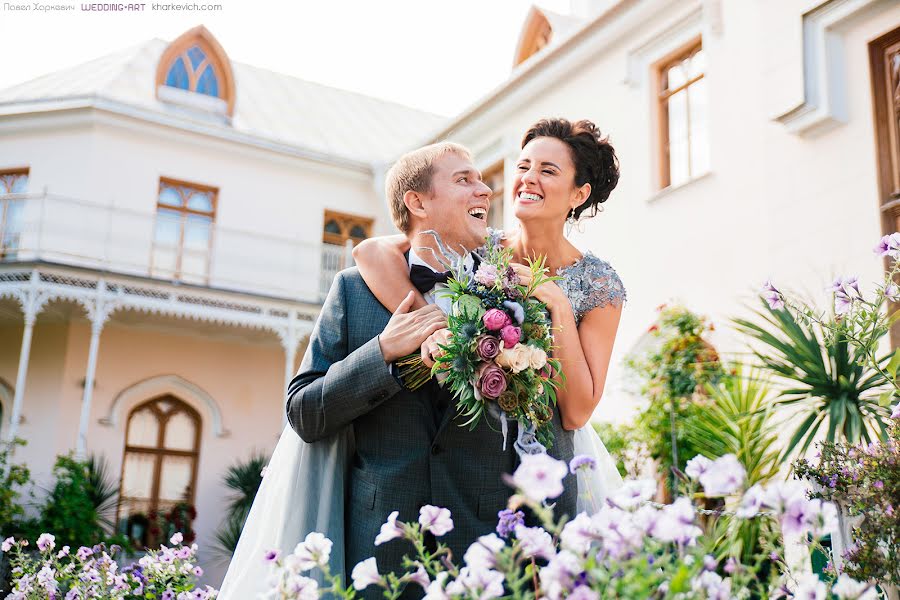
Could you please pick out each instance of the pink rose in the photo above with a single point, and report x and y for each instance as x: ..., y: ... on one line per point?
x: 487, y: 347
x: 491, y: 380
x: 495, y: 319
x: 510, y: 335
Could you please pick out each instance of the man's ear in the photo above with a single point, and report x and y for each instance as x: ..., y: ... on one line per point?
x: 415, y: 204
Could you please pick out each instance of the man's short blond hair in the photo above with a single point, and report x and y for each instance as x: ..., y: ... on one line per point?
x: 413, y: 172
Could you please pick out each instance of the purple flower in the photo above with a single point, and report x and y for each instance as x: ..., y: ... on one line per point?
x: 435, y: 519
x: 878, y: 485
x: 583, y: 462
x: 272, y: 555
x: 420, y: 577
x: 495, y: 319
x: 889, y: 245
x: 535, y: 542
x: 168, y: 595
x: 510, y: 335
x: 518, y: 313
x: 365, y: 573
x: 507, y: 521
x: 7, y: 544
x: 896, y: 413
x: 487, y: 347
x: 697, y: 466
x: 842, y: 303
x: 731, y: 565
x: 892, y: 292
x: 772, y: 296
x: 46, y: 542
x: 491, y: 380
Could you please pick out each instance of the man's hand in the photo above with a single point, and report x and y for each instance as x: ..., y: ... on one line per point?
x: 431, y: 349
x: 406, y: 331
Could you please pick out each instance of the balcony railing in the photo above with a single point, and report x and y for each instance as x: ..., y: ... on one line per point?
x: 64, y: 230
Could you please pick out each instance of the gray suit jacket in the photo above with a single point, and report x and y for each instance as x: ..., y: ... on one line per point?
x: 410, y: 449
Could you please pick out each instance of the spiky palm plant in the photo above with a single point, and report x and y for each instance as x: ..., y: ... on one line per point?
x: 826, y: 378
x: 102, y: 489
x: 738, y: 419
x: 243, y: 479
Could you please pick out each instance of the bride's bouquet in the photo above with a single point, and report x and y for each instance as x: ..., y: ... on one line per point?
x: 500, y: 349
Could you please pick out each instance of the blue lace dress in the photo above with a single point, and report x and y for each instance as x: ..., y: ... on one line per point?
x: 589, y: 283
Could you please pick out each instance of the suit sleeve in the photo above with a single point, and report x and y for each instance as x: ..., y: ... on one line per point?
x: 333, y: 386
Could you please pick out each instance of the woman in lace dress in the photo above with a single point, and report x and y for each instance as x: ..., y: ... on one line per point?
x: 565, y: 171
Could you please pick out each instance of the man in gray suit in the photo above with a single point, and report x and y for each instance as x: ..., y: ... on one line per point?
x: 409, y: 448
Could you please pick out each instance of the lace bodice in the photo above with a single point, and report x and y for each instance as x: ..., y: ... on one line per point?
x: 590, y: 282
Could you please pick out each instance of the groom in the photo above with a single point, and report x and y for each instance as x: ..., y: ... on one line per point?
x: 410, y: 451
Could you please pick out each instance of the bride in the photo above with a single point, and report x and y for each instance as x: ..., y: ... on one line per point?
x: 565, y: 171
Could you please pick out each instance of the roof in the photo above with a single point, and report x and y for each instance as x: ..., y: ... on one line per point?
x: 270, y: 106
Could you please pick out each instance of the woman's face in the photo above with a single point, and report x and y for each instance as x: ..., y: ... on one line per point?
x: 544, y: 184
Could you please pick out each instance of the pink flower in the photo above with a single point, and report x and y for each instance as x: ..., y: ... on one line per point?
x: 46, y: 542
x: 510, y: 335
x: 365, y: 573
x: 495, y: 319
x: 487, y: 347
x: 491, y: 380
x: 487, y: 274
x: 723, y: 476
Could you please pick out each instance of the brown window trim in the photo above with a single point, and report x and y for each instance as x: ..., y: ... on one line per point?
x: 201, y: 37
x: 346, y: 222
x: 161, y: 451
x: 187, y: 211
x: 662, y: 96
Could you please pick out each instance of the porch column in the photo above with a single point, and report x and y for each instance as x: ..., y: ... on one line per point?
x: 87, y: 395
x: 98, y: 312
x: 24, y: 355
x: 33, y: 301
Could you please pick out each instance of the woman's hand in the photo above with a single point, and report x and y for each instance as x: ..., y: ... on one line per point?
x: 548, y: 292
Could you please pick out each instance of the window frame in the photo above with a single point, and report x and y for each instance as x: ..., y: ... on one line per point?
x: 7, y: 251
x: 159, y: 452
x: 661, y: 108
x: 346, y: 222
x: 184, y: 211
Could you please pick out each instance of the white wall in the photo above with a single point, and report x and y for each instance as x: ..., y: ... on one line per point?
x: 798, y: 209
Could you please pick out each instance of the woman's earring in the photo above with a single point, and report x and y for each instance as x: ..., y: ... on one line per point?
x: 571, y: 221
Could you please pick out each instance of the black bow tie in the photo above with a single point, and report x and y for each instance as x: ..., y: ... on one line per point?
x: 424, y: 279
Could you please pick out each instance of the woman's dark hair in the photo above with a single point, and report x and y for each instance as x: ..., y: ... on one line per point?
x: 594, y: 157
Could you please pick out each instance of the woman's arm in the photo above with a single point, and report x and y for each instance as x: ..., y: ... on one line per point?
x: 385, y: 270
x: 583, y: 351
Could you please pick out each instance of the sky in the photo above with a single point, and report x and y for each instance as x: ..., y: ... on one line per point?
x: 436, y: 56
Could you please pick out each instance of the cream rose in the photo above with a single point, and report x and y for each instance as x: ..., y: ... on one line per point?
x: 537, y: 358
x: 515, y: 359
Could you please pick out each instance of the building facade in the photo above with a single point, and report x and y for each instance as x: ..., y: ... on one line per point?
x: 170, y: 223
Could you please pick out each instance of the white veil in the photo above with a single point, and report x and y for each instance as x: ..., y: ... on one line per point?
x: 302, y: 491
x: 594, y: 486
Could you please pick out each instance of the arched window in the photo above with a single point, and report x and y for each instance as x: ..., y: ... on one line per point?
x: 195, y: 62
x: 159, y: 469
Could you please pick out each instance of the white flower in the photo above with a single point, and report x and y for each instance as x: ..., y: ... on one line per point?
x: 420, y: 577
x: 7, y: 544
x: 578, y: 534
x: 583, y: 592
x: 483, y: 552
x: 634, y: 493
x: 540, y: 476
x: 676, y: 523
x: 810, y: 587
x: 435, y: 519
x: 847, y: 588
x: 558, y: 575
x: 697, y: 466
x: 314, y: 551
x: 516, y: 359
x: 723, y: 477
x: 389, y: 530
x: 365, y: 573
x: 713, y: 585
x: 751, y: 502
x: 477, y: 583
x: 537, y: 359
x: 301, y: 588
x: 177, y: 538
x: 435, y: 589
x: 535, y: 542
